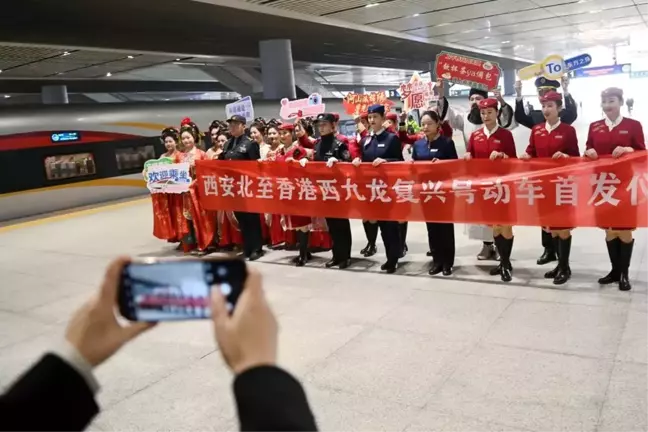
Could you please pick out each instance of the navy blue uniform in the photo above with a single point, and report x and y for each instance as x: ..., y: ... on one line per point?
x: 385, y: 145
x: 440, y: 235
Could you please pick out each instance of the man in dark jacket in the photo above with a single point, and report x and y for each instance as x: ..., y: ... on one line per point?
x: 241, y: 148
x: 330, y: 149
x: 57, y: 394
x: 567, y: 115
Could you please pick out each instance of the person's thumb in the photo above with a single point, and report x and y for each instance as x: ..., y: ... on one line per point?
x: 135, y: 329
x: 220, y: 315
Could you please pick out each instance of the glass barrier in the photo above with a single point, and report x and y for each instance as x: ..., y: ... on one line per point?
x: 130, y: 158
x: 69, y: 166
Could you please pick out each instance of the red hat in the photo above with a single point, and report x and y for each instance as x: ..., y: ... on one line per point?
x: 287, y: 127
x: 612, y: 92
x: 488, y: 103
x: 392, y: 116
x: 337, y: 116
x: 364, y: 115
x: 551, y: 96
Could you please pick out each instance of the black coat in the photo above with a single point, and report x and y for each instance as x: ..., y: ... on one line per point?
x: 53, y: 396
x: 384, y: 145
x: 567, y: 115
x: 329, y: 146
x: 240, y: 148
x: 440, y: 148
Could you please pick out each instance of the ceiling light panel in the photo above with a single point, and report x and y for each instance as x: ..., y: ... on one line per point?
x: 385, y: 11
x: 412, y: 23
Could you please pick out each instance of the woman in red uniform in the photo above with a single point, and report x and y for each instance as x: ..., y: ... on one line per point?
x: 201, y: 221
x: 554, y: 139
x: 301, y: 225
x: 615, y: 135
x: 493, y: 142
x: 167, y: 223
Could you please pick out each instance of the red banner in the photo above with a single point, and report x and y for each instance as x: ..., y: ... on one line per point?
x: 469, y: 71
x: 357, y: 103
x: 543, y: 192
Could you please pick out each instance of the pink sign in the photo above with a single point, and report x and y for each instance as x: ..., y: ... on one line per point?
x: 309, y: 107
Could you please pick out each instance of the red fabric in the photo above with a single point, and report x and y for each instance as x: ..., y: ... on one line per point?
x: 545, y: 144
x: 307, y: 142
x: 229, y: 234
x: 291, y: 237
x: 265, y: 231
x: 295, y: 151
x: 277, y: 233
x: 163, y: 226
x: 321, y: 239
x: 628, y: 133
x: 407, y: 138
x: 481, y: 147
x: 446, y: 129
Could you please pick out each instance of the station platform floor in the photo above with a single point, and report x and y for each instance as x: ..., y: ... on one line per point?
x: 402, y: 352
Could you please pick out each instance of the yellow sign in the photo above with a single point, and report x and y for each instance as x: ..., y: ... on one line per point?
x: 553, y: 67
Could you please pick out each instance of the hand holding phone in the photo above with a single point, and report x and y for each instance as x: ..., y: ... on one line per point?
x: 153, y: 290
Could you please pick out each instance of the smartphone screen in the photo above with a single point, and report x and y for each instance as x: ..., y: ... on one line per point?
x: 178, y: 290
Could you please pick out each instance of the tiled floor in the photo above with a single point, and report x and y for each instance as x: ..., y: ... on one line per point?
x: 375, y: 352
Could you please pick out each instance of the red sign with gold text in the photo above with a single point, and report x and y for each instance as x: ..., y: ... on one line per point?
x: 356, y: 104
x: 469, y: 71
x: 544, y: 192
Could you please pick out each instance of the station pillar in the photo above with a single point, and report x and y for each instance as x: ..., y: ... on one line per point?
x: 278, y: 74
x: 359, y: 90
x: 509, y: 82
x: 54, y: 94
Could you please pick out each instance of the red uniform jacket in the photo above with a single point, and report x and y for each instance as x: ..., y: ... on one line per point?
x: 481, y: 147
x: 354, y: 145
x: 628, y: 133
x: 307, y: 142
x: 544, y: 144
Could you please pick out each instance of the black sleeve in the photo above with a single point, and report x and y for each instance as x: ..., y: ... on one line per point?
x: 505, y: 111
x: 395, y: 149
x: 452, y: 150
x: 343, y: 154
x: 522, y: 117
x: 270, y: 399
x: 570, y: 113
x: 442, y: 107
x: 254, y: 152
x: 50, y: 396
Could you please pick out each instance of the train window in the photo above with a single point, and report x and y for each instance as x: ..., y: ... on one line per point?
x: 69, y: 166
x: 130, y: 158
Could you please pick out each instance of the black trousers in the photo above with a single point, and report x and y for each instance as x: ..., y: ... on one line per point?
x: 390, y: 233
x: 442, y: 242
x: 250, y: 226
x: 340, y: 231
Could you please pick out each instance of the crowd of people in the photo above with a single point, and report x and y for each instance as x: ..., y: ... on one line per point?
x: 382, y: 137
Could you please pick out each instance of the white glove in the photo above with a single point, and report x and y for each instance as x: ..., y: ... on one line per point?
x: 330, y: 162
x: 303, y: 162
x: 356, y: 162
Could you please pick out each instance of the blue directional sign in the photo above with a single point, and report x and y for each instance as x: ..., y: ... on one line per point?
x: 639, y: 74
x: 603, y: 70
x: 58, y: 137
x: 578, y: 62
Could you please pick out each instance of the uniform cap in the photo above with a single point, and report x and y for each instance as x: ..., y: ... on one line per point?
x: 287, y: 127
x: 488, y: 103
x: 376, y: 109
x: 392, y: 116
x: 337, y: 116
x: 327, y: 117
x: 544, y: 82
x: 237, y: 118
x: 364, y: 115
x: 551, y: 96
x: 612, y: 92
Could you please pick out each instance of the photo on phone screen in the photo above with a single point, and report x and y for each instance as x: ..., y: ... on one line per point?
x: 178, y: 290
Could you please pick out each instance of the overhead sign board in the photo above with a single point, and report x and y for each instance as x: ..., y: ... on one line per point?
x: 602, y: 71
x: 59, y: 137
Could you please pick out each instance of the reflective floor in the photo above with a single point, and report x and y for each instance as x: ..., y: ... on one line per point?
x: 374, y: 351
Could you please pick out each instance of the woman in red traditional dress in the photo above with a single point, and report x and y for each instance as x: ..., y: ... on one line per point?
x: 300, y: 225
x: 261, y: 133
x: 320, y: 239
x: 202, y: 222
x: 168, y: 223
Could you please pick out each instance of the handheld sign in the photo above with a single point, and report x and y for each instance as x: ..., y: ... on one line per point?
x: 308, y: 107
x: 578, y: 62
x: 416, y: 93
x: 242, y: 107
x: 356, y: 104
x: 168, y: 178
x: 552, y: 67
x: 468, y: 71
x: 153, y: 162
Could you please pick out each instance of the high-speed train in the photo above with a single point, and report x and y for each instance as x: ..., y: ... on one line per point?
x: 58, y: 157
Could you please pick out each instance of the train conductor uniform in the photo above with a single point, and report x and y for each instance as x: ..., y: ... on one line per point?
x: 242, y: 148
x: 385, y: 145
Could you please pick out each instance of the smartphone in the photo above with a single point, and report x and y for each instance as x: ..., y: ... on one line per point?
x: 155, y: 290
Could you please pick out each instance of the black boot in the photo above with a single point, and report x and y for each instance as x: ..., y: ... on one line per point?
x: 564, y: 250
x: 500, y: 247
x: 613, y: 247
x: 625, y: 256
x: 402, y: 228
x: 505, y: 260
x: 552, y: 273
x: 302, y: 238
x: 371, y: 231
x: 549, y: 253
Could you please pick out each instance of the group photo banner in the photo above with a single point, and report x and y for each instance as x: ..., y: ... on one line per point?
x: 572, y: 192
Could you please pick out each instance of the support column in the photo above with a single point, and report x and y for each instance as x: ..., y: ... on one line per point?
x: 277, y: 71
x: 359, y: 90
x: 54, y: 94
x: 509, y: 82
